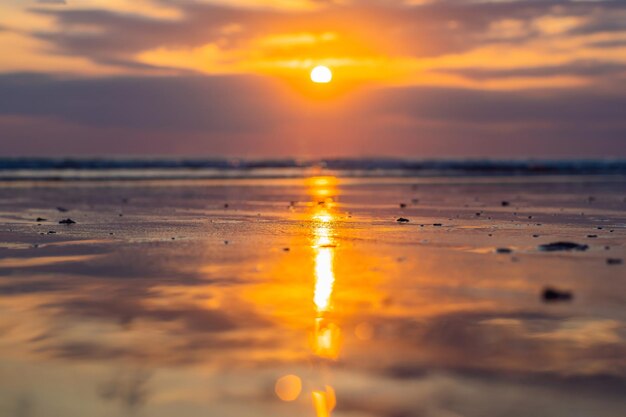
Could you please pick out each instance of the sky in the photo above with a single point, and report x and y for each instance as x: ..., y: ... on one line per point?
x: 415, y: 78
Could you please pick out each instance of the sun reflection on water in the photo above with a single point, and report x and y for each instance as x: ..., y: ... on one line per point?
x: 324, y: 274
x: 327, y: 334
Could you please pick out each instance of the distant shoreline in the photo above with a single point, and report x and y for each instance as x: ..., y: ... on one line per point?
x: 60, y: 169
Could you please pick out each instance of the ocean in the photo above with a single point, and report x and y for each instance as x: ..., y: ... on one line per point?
x: 96, y: 168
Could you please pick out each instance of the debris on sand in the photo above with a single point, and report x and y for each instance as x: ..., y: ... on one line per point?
x: 505, y: 204
x: 552, y: 294
x: 63, y: 209
x: 51, y: 232
x: 614, y: 261
x: 285, y: 249
x: 562, y: 246
x: 40, y: 219
x: 437, y: 224
x: 504, y: 250
x: 67, y: 221
x: 402, y: 220
x: 402, y: 205
x: 592, y: 236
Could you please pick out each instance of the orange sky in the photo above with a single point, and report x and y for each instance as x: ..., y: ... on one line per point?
x: 511, y: 54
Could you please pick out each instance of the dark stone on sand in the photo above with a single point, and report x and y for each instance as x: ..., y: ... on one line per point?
x: 614, y: 261
x: 225, y: 205
x: 592, y: 236
x: 599, y: 228
x: 62, y: 209
x: 552, y: 294
x: 226, y: 242
x: 437, y: 224
x: 40, y: 219
x: 402, y: 205
x: 51, y: 232
x: 478, y: 214
x: 562, y: 246
x: 285, y: 249
x: 505, y: 203
x: 504, y: 250
x: 402, y: 220
x: 535, y: 235
x: 67, y: 221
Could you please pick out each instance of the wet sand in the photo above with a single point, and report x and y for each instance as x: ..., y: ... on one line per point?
x: 306, y: 297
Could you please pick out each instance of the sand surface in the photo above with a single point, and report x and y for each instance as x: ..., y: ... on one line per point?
x: 197, y: 298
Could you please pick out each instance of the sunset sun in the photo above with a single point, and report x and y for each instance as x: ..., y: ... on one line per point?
x: 321, y: 74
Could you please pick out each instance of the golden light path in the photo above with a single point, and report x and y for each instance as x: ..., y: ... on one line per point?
x: 324, y: 275
x: 327, y: 335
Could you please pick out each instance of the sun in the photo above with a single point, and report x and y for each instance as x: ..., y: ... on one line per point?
x: 321, y: 74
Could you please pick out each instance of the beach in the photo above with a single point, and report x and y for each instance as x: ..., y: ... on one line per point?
x: 359, y: 296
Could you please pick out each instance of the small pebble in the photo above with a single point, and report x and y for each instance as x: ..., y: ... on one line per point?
x: 552, y: 294
x: 562, y: 246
